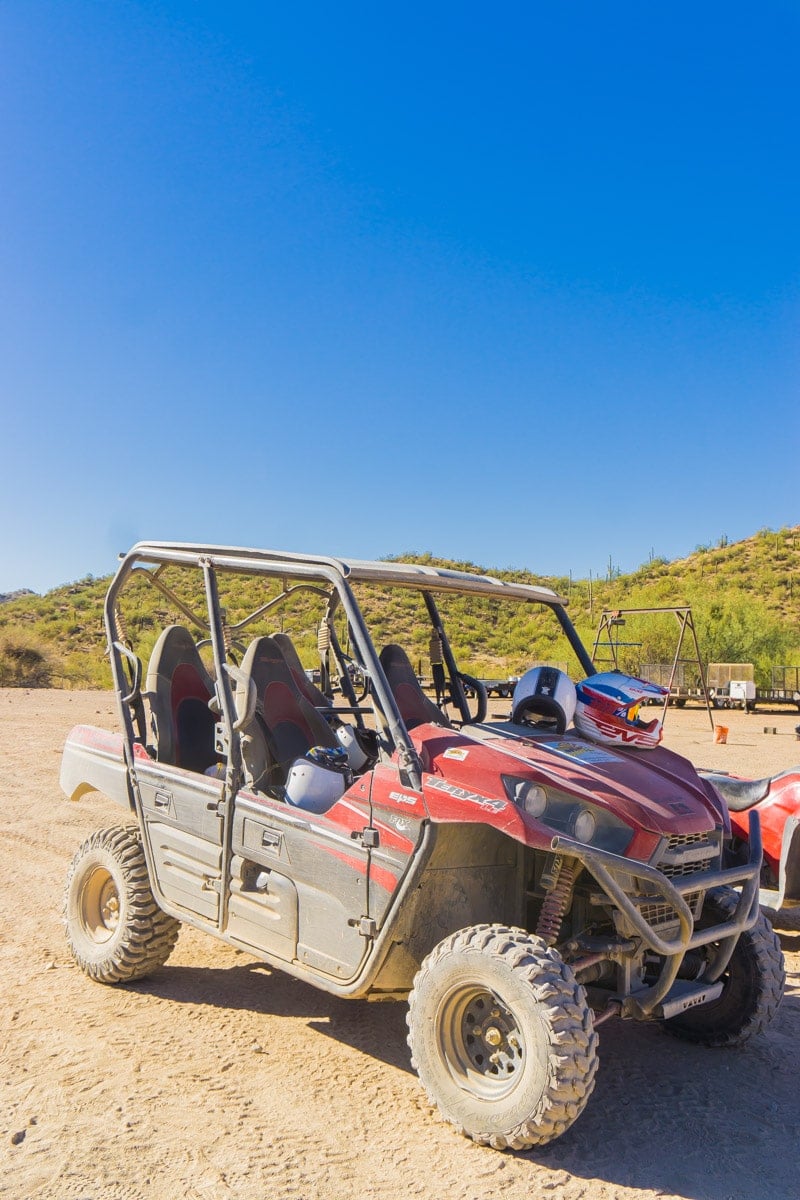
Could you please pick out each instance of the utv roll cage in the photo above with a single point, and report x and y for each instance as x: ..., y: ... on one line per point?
x: 331, y: 579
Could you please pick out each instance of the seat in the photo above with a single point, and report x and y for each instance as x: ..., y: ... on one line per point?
x: 178, y: 688
x: 313, y: 695
x: 739, y: 794
x: 285, y: 726
x: 415, y: 707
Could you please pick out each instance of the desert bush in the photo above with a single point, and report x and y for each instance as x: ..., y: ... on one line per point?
x: 24, y: 664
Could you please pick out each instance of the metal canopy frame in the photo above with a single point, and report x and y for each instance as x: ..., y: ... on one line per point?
x: 332, y: 577
x: 420, y: 576
x: 612, y: 618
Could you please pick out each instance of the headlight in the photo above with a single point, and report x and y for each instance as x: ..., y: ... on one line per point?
x: 583, y: 825
x: 587, y: 823
x: 527, y: 794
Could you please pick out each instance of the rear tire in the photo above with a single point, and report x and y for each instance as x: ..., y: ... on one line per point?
x: 502, y: 1037
x: 115, y: 929
x: 753, y: 982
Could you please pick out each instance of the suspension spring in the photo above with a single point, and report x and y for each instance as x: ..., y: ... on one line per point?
x: 323, y: 639
x: 556, y: 902
x: 122, y: 627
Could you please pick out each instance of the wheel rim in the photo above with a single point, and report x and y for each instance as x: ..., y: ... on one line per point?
x: 481, y: 1042
x: 99, y: 906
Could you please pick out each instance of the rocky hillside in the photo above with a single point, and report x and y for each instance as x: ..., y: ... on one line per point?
x: 17, y: 595
x: 745, y: 598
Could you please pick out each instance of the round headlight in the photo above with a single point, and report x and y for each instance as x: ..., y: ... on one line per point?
x: 531, y: 797
x: 583, y: 825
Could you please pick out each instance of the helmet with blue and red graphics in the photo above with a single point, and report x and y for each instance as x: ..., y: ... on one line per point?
x: 607, y: 710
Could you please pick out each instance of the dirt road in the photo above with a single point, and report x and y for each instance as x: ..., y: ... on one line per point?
x: 220, y: 1078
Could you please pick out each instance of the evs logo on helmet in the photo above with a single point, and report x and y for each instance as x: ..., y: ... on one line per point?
x: 607, y: 710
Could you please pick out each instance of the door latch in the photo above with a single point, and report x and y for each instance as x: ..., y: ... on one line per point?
x: 370, y: 837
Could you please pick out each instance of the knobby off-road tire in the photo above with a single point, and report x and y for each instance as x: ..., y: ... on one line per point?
x: 115, y: 929
x: 502, y: 1037
x: 753, y: 982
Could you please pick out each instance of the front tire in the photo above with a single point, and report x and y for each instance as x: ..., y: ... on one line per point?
x: 753, y: 982
x: 502, y: 1037
x: 115, y: 929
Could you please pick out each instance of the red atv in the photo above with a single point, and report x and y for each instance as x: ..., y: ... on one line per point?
x: 516, y: 884
x: 776, y: 801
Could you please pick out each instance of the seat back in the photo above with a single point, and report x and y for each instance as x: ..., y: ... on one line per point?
x: 313, y: 695
x: 179, y: 688
x: 285, y: 725
x: 415, y: 707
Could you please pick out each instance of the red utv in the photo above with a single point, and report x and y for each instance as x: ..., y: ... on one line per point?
x: 515, y: 885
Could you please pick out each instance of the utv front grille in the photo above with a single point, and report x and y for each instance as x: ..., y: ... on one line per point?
x: 683, y: 854
x: 658, y: 914
x: 686, y: 839
x: 689, y: 854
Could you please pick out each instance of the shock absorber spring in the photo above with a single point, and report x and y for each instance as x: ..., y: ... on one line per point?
x: 559, y: 882
x: 323, y: 639
x: 122, y: 627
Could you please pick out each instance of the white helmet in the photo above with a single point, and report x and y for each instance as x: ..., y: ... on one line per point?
x: 346, y: 735
x: 544, y: 696
x: 317, y: 781
x: 608, y: 710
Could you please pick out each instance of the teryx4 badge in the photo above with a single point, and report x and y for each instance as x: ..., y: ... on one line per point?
x: 459, y: 793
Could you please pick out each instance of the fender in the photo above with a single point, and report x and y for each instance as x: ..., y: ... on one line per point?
x: 776, y: 799
x: 94, y: 761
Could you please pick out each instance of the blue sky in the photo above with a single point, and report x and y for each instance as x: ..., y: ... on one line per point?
x: 518, y: 284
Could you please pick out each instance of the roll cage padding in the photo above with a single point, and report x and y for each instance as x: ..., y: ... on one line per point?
x: 285, y: 725
x: 178, y: 688
x: 415, y: 707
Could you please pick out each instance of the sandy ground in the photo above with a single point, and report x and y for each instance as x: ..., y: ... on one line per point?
x: 220, y: 1078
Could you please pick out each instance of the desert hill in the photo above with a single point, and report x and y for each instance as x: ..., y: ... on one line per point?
x: 745, y: 597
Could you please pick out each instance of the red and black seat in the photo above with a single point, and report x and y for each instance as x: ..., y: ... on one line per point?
x: 415, y: 707
x: 285, y: 725
x: 179, y: 688
x: 313, y: 695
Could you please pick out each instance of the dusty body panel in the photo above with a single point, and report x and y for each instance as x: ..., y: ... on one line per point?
x: 93, y: 760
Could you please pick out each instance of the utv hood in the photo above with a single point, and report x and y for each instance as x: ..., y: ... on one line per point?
x: 653, y: 790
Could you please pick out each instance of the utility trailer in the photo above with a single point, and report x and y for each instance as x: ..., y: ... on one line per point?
x: 503, y: 688
x: 784, y: 687
x: 732, y: 685
x: 680, y: 679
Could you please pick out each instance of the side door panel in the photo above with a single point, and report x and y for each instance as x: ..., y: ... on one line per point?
x: 299, y: 883
x: 184, y: 831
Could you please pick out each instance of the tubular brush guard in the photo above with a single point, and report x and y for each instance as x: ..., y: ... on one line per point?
x: 611, y: 869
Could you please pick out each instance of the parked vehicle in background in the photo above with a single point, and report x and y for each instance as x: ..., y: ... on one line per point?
x: 515, y: 884
x: 776, y: 800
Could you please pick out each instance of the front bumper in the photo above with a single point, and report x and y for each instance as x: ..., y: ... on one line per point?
x: 625, y: 882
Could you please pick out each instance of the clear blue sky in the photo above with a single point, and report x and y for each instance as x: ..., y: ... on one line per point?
x: 515, y: 283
